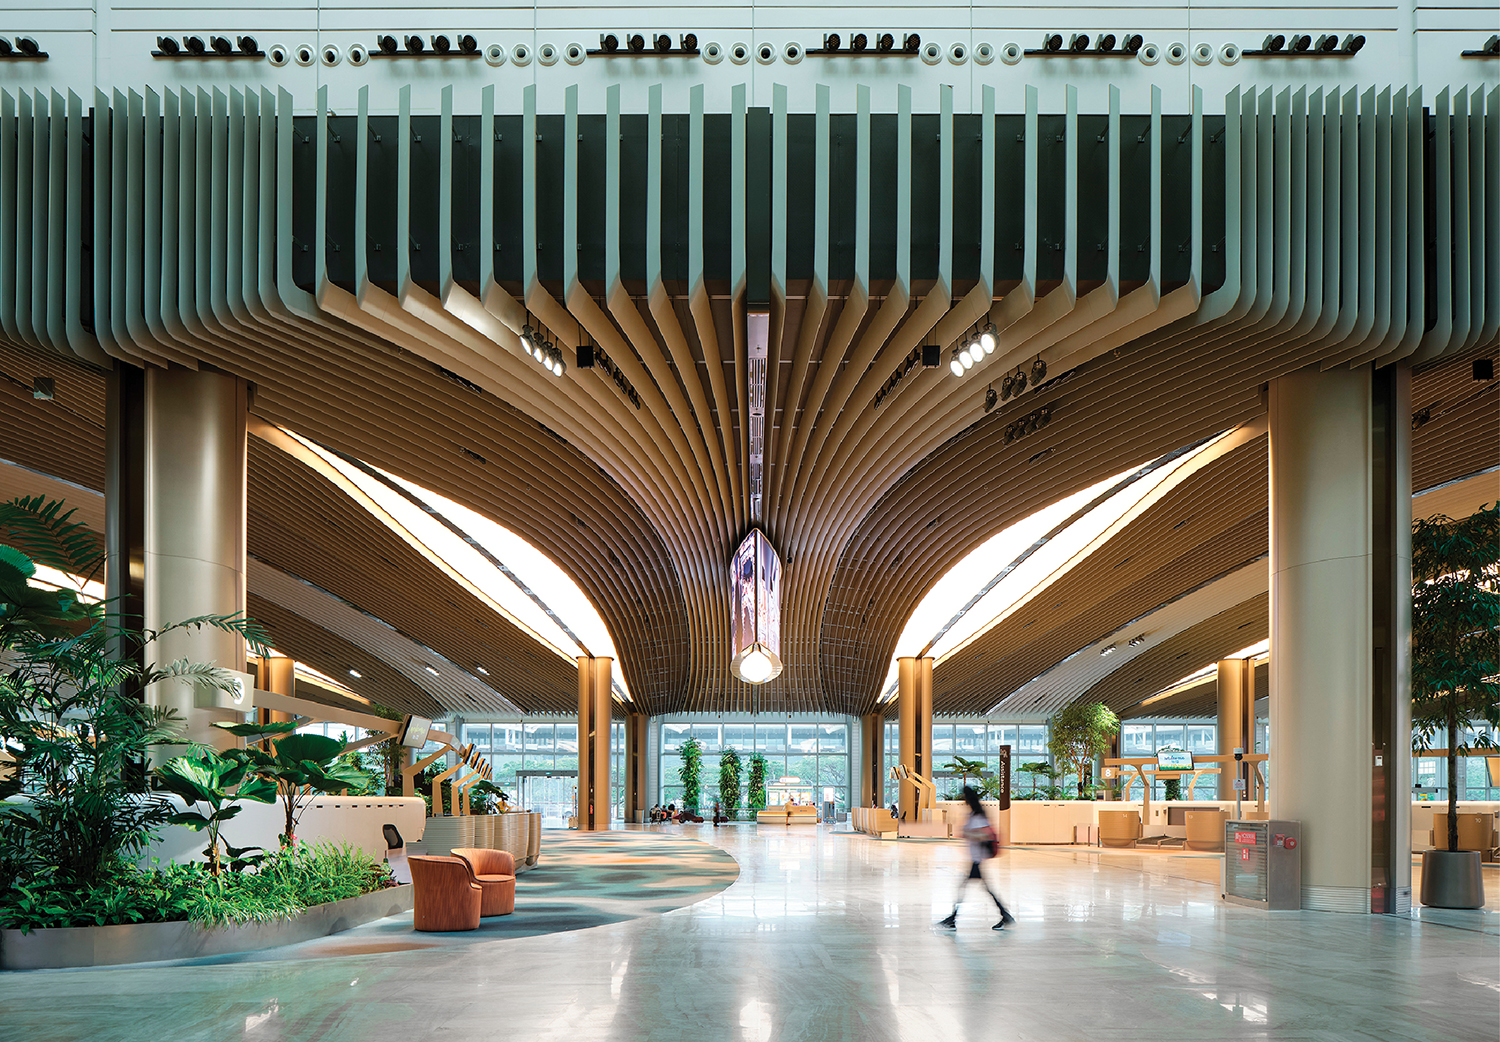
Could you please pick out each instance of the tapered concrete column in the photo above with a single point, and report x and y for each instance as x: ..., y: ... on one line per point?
x: 593, y: 743
x: 278, y: 675
x: 195, y: 529
x: 872, y: 759
x: 1236, y: 726
x: 914, y: 701
x: 1338, y: 474
x: 637, y: 726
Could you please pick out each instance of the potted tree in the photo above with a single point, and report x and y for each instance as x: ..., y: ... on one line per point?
x: 1455, y: 570
x: 1079, y: 733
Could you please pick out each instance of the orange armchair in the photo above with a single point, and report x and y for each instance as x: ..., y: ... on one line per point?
x: 445, y: 896
x: 495, y: 872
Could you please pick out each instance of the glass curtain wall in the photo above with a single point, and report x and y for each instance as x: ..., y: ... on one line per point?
x: 805, y: 761
x: 538, y: 745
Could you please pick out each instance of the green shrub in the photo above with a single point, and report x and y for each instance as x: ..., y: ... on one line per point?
x: 287, y: 883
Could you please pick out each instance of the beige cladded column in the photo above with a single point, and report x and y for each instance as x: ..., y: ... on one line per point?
x: 594, y: 708
x: 872, y: 759
x: 194, y: 530
x: 1236, y: 690
x: 1340, y: 507
x: 637, y: 726
x: 278, y: 675
x: 914, y: 703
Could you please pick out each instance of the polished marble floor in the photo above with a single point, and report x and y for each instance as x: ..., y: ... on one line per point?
x: 828, y: 937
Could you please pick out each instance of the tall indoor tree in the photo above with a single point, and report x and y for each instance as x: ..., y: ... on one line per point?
x: 1079, y: 733
x: 729, y: 783
x: 1455, y: 571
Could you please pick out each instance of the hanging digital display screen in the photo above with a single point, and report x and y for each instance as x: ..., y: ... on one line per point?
x: 755, y: 577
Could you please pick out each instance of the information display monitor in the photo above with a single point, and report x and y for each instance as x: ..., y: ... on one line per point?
x: 1174, y: 760
x: 413, y: 733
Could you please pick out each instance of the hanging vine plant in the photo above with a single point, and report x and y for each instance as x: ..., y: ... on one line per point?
x: 691, y: 773
x: 757, y: 787
x: 729, y: 783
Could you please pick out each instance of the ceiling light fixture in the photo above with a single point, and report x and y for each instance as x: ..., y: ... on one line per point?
x: 356, y: 674
x: 954, y: 365
x: 194, y: 44
x: 987, y: 338
x: 1108, y: 649
x: 1137, y: 640
x: 432, y: 671
x: 482, y: 671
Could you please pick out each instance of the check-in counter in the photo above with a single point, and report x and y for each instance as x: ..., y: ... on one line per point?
x: 1051, y: 821
x: 1422, y: 813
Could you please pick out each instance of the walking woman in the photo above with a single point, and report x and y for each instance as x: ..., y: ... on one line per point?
x: 984, y: 843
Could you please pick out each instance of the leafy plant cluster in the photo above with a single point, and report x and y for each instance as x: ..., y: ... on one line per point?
x: 756, y: 788
x: 691, y: 773
x: 70, y: 716
x: 1079, y: 733
x: 77, y: 815
x: 729, y: 783
x: 287, y: 883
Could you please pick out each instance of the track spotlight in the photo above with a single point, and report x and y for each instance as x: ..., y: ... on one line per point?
x: 965, y: 357
x: 636, y: 42
x: 248, y: 45
x: 441, y: 44
x: 911, y: 43
x: 164, y: 44
x: 1079, y: 43
x: 954, y: 365
x: 987, y: 338
x: 609, y: 43
x: 415, y: 45
x: 690, y: 43
x: 528, y: 339
x: 221, y: 45
x: 1038, y: 372
x: 1353, y: 44
x: 831, y: 42
x: 885, y: 43
x: 663, y: 43
x: 468, y: 45
x: 1020, y: 381
x: 1301, y: 43
x: 6, y: 48
x: 28, y: 47
x: 1052, y: 43
x: 858, y: 42
x: 1007, y: 386
x: 1273, y: 43
x: 990, y: 397
x: 1133, y: 43
x: 388, y: 45
x: 1106, y: 43
x: 1327, y: 43
x: 1492, y: 45
x: 194, y: 44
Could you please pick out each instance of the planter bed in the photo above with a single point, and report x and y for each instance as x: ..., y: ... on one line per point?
x: 78, y: 946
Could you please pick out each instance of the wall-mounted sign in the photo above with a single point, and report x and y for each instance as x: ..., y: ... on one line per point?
x: 756, y: 603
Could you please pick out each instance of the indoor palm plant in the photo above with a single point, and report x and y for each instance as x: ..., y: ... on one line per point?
x: 1455, y: 568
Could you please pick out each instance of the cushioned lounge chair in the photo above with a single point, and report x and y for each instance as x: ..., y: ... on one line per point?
x: 495, y: 872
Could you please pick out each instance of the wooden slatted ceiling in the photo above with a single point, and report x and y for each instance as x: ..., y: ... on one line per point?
x: 333, y: 656
x: 304, y: 525
x: 1225, y: 529
x: 63, y: 437
x: 1186, y: 653
x: 1463, y: 437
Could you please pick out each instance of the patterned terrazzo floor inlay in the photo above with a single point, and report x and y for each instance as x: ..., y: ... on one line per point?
x: 582, y: 880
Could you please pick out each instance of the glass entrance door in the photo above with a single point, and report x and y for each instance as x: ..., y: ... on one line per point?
x: 552, y: 794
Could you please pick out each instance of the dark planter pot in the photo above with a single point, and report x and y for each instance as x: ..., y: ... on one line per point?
x: 1452, y: 879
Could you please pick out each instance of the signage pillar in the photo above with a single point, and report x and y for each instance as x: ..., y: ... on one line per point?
x: 872, y: 760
